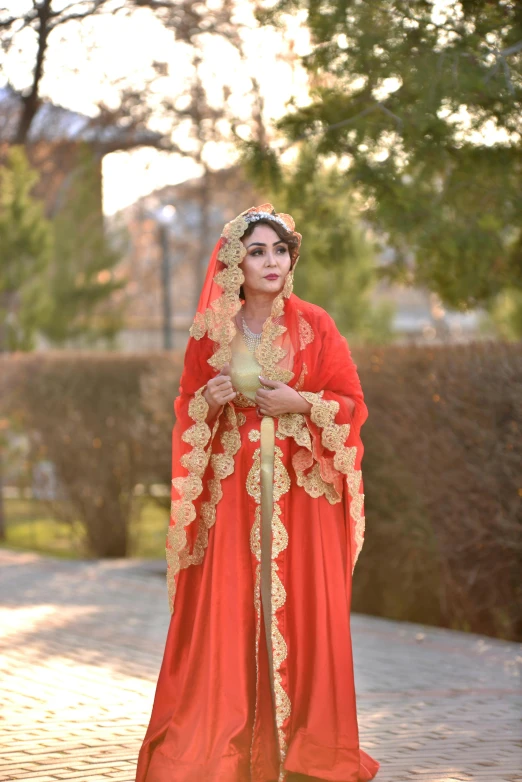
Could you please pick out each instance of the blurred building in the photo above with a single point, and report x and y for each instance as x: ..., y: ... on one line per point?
x: 56, y: 140
x: 420, y: 316
x: 200, y: 208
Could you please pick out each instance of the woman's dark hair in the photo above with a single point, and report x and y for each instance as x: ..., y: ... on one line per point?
x: 284, y: 234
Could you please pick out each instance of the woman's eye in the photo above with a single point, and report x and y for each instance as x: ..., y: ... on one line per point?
x: 283, y: 249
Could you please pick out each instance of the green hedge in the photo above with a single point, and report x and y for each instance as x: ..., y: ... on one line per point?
x: 441, y: 466
x: 443, y: 486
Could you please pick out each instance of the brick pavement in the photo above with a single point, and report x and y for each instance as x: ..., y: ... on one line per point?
x: 81, y: 645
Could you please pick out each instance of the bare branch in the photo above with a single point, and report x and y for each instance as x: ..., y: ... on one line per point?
x: 27, y: 19
x: 517, y: 47
x: 62, y: 17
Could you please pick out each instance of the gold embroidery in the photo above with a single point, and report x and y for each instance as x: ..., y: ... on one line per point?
x: 255, y: 547
x: 241, y: 419
x: 333, y: 437
x: 243, y: 401
x: 315, y: 486
x: 253, y: 486
x: 268, y: 354
x: 306, y: 333
x: 218, y: 319
x: 298, y: 386
x: 279, y: 543
x: 199, y: 326
x: 190, y: 487
x: 254, y: 435
x: 183, y: 511
x: 294, y: 425
x: 253, y: 481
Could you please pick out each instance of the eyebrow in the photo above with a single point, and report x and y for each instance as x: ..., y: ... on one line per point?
x: 262, y: 244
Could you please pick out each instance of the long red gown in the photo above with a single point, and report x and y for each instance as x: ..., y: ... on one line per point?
x: 238, y: 698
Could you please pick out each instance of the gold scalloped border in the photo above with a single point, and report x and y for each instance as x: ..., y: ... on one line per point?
x: 333, y: 437
x: 314, y: 483
x: 283, y: 706
x: 190, y: 487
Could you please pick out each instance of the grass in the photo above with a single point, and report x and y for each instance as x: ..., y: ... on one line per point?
x: 32, y: 527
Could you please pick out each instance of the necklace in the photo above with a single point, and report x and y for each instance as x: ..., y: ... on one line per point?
x: 252, y: 340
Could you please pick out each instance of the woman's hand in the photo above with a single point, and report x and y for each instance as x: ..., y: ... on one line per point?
x: 279, y: 399
x: 219, y: 389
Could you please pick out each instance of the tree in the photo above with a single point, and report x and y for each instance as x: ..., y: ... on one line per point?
x: 423, y: 103
x: 337, y: 267
x: 46, y: 19
x: 25, y: 252
x: 189, y: 121
x: 81, y: 277
x: 25, y: 247
x: 505, y: 315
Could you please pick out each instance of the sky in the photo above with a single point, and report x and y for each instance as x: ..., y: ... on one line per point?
x: 122, y: 50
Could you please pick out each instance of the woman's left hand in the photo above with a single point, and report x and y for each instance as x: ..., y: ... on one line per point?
x: 279, y: 399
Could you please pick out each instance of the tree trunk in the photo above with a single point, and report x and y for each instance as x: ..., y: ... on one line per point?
x: 31, y: 102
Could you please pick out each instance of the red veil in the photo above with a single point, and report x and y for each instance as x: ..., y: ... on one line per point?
x: 300, y: 346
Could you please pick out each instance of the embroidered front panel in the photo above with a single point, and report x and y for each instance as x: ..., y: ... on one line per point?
x: 280, y: 651
x: 306, y: 332
x: 281, y: 485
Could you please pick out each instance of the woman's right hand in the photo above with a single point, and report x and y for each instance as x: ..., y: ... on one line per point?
x: 219, y: 389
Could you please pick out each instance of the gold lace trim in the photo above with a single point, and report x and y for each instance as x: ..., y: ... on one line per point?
x: 280, y: 651
x: 315, y: 486
x: 306, y: 332
x: 190, y: 487
x: 279, y: 543
x: 268, y: 354
x: 294, y: 425
x: 243, y: 401
x: 218, y: 319
x: 301, y: 378
x: 333, y: 437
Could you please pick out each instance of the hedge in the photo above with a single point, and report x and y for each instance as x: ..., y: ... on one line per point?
x: 441, y: 468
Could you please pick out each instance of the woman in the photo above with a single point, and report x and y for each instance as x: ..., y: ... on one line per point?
x: 267, y: 522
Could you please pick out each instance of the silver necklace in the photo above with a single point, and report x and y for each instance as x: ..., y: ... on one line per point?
x: 252, y: 340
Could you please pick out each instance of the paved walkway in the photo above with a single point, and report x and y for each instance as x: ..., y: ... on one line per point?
x: 81, y: 645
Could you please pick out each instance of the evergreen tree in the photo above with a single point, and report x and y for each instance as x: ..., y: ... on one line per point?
x: 423, y: 102
x: 337, y: 265
x: 81, y: 274
x: 25, y: 252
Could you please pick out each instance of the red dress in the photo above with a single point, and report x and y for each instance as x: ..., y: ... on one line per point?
x: 239, y: 699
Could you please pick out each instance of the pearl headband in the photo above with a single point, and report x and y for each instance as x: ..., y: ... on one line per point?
x: 251, y: 217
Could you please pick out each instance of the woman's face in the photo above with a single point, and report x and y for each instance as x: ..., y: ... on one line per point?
x: 266, y: 263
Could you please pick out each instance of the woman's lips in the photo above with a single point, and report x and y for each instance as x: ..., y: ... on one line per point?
x: 272, y: 277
